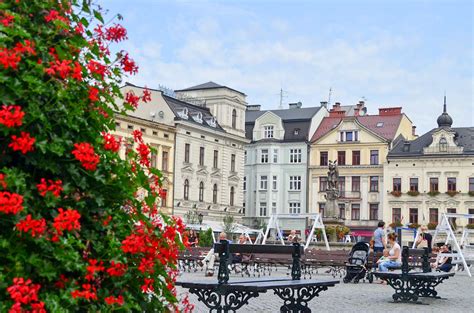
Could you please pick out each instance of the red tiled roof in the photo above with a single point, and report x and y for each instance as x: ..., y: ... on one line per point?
x: 387, y: 131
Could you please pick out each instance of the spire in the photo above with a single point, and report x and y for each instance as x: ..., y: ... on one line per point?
x: 444, y: 120
x: 444, y: 107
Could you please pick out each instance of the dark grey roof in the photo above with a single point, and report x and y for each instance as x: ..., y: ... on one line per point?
x: 177, y: 105
x: 208, y: 85
x: 464, y: 138
x: 298, y: 118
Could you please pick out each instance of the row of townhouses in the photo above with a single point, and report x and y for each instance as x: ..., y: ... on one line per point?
x: 220, y: 156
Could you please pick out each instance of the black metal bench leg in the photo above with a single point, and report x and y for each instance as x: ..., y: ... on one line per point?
x: 223, y: 301
x: 296, y: 299
x: 405, y: 290
x: 427, y: 287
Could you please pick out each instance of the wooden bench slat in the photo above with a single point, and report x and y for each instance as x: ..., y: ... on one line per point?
x: 268, y: 249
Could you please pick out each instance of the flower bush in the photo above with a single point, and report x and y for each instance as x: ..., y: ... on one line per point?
x: 80, y: 230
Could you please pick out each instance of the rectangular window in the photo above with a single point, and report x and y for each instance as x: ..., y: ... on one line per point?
x: 275, y: 155
x: 374, y: 157
x: 201, y: 156
x: 295, y: 183
x: 413, y: 216
x: 433, y: 215
x: 164, y: 160
x: 342, y: 211
x: 396, y: 215
x: 323, y: 158
x: 268, y: 131
x: 355, y: 211
x: 471, y: 220
x: 434, y: 184
x: 397, y: 184
x: 374, y: 211
x: 153, y: 158
x: 295, y: 155
x: 163, y: 200
x: 355, y: 183
x: 341, y: 185
x: 451, y: 183
x: 295, y: 208
x: 471, y: 184
x: 187, y: 148
x: 274, y: 207
x: 355, y: 157
x: 348, y: 136
x: 274, y: 183
x: 452, y: 220
x: 263, y: 209
x: 263, y: 182
x: 245, y: 157
x: 245, y: 183
x: 232, y: 162
x: 413, y: 184
x: 341, y: 157
x: 215, y: 163
x: 321, y: 208
x: 264, y: 156
x: 374, y: 183
x: 323, y: 183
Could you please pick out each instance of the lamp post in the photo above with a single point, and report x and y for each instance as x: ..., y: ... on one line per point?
x: 200, y: 217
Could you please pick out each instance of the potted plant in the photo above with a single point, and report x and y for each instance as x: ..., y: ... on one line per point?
x: 396, y: 193
x: 471, y: 193
x: 396, y: 224
x: 452, y: 193
x: 413, y: 193
x: 470, y: 226
x: 414, y: 225
x: 433, y: 193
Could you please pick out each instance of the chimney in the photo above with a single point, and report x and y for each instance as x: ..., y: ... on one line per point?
x: 253, y: 107
x: 361, y: 104
x: 336, y: 105
x: 356, y: 111
x: 413, y: 130
x: 296, y: 105
x: 390, y: 111
x: 334, y: 113
x: 324, y: 104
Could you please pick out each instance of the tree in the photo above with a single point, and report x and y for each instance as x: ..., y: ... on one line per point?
x: 228, y: 224
x: 80, y: 229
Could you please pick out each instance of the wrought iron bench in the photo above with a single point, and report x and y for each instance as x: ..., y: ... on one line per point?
x: 410, y: 285
x: 225, y: 296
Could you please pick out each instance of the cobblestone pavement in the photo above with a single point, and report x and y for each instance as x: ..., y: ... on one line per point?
x: 457, y: 291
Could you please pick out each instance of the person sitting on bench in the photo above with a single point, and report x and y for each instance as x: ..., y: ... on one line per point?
x: 210, y: 258
x: 394, y: 255
x: 444, y: 263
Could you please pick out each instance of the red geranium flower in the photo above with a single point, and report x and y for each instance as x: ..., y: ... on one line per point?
x: 128, y: 65
x: 9, y: 58
x: 37, y: 227
x: 67, y: 220
x: 55, y: 187
x: 116, y: 269
x: 3, y: 183
x: 23, y: 291
x: 110, y: 143
x: 115, y: 33
x: 146, y: 97
x: 10, y: 203
x: 93, y: 94
x: 7, y: 19
x: 112, y: 300
x: 11, y: 115
x: 84, y: 153
x: 97, y: 68
x: 132, y: 99
x: 24, y: 143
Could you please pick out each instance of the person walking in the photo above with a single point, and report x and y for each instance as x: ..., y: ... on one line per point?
x: 424, y: 239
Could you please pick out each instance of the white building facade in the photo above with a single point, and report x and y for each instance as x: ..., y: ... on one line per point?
x: 276, y: 163
x: 431, y: 175
x: 209, y: 151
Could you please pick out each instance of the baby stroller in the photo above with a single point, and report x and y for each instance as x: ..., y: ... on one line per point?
x: 357, y: 266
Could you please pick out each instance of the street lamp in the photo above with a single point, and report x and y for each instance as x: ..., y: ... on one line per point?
x: 200, y: 217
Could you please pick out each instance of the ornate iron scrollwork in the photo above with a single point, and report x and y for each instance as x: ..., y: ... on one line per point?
x: 296, y: 299
x: 427, y: 287
x: 296, y: 268
x: 405, y: 289
x: 219, y: 300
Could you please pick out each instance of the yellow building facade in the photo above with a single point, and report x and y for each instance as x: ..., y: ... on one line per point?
x: 360, y: 145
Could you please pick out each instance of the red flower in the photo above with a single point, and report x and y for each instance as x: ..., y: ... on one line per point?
x: 115, y: 33
x: 112, y: 300
x: 61, y: 283
x: 67, y: 220
x: 79, y: 28
x: 63, y: 68
x: 144, y: 152
x: 9, y: 58
x: 84, y: 153
x: 11, y: 115
x: 10, y: 203
x: 128, y: 65
x: 93, y: 267
x: 116, y: 269
x: 27, y: 47
x: 24, y: 143
x: 77, y: 71
x: 93, y: 94
x: 3, y: 183
x: 162, y: 193
x: 97, y: 68
x: 148, y: 284
x: 137, y: 135
x: 110, y: 143
x: 88, y: 292
x: 146, y: 266
x: 131, y: 99
x: 23, y: 291
x: 37, y: 227
x: 54, y: 15
x: 146, y: 97
x: 7, y: 19
x: 55, y: 187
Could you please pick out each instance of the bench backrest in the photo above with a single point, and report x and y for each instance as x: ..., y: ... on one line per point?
x: 417, y: 253
x: 225, y: 250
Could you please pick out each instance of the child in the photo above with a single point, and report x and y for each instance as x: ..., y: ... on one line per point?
x: 384, y: 257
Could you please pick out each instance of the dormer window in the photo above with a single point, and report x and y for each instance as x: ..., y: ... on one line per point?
x: 443, y: 145
x: 197, y: 117
x: 380, y: 124
x: 183, y: 113
x: 296, y: 132
x: 211, y: 121
x: 268, y: 131
x: 349, y: 136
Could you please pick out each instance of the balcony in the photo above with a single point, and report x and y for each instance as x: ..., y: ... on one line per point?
x: 349, y: 195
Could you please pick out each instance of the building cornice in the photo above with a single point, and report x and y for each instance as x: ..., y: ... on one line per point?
x: 209, y: 131
x: 144, y: 122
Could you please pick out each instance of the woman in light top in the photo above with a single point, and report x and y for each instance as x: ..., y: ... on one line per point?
x: 394, y: 255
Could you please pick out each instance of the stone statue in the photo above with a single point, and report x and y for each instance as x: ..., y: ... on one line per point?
x: 332, y: 191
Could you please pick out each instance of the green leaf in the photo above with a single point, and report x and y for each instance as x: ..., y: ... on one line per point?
x: 98, y: 16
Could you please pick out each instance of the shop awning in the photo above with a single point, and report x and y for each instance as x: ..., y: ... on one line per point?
x: 363, y: 233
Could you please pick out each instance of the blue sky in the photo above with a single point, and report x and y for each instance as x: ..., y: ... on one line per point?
x: 393, y: 53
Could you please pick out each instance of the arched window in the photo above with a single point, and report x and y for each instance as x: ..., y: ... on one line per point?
x: 201, y: 192
x: 186, y: 189
x: 214, y: 194
x: 234, y: 118
x: 232, y: 194
x: 443, y: 145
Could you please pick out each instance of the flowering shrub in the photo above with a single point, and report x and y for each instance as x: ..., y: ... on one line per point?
x: 79, y: 227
